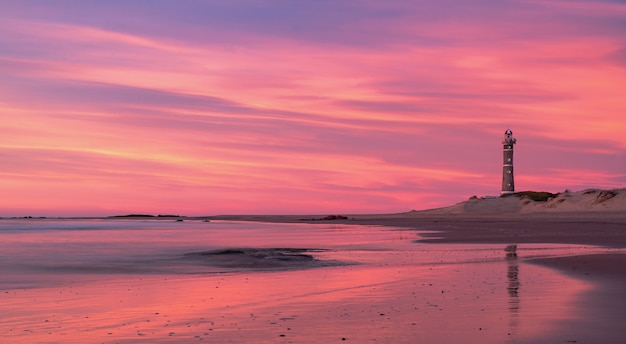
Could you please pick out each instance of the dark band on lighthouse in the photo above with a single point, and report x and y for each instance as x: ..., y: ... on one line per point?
x: 508, y: 183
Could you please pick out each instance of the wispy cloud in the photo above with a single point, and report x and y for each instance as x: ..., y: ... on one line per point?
x: 314, y: 106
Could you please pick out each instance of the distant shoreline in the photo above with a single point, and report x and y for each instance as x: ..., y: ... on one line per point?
x: 593, y: 217
x: 586, y: 203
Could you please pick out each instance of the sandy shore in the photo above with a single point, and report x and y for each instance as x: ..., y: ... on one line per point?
x: 600, y: 228
x: 587, y: 217
x: 341, y: 280
x: 440, y: 275
x: 607, y: 272
x: 591, y: 228
x: 593, y: 217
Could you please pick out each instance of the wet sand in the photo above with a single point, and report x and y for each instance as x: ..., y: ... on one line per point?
x: 606, y: 229
x: 604, y: 304
x: 341, y: 281
x: 590, y: 228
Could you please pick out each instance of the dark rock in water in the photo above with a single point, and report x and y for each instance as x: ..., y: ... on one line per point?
x: 333, y: 217
x: 259, y: 258
x: 327, y: 218
x: 286, y: 254
x: 216, y: 253
x: 132, y: 216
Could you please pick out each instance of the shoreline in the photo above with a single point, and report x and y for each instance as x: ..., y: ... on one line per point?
x: 587, y: 228
x: 599, y: 228
x: 604, y: 305
x: 527, y: 299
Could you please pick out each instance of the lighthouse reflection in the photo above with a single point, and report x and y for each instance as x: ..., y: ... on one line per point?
x: 512, y: 276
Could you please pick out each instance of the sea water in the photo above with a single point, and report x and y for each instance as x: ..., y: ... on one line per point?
x: 44, y: 252
x: 120, y: 280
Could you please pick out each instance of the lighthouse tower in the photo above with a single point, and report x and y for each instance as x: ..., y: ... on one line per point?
x: 508, y: 185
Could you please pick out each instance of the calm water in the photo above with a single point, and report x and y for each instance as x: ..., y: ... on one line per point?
x: 119, y: 281
x: 39, y: 253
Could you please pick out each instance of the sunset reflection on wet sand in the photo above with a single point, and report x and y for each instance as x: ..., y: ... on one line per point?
x: 381, y: 287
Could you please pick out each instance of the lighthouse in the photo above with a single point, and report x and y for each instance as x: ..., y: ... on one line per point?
x: 508, y: 184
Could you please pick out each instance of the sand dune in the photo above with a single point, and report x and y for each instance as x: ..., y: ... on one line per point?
x: 542, y: 208
x: 591, y: 200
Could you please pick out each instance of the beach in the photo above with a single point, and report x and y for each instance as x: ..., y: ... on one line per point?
x: 588, y: 217
x: 444, y: 276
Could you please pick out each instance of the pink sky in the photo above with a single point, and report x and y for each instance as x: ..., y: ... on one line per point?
x: 250, y: 106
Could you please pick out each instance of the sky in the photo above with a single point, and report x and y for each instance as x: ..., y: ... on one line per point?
x: 304, y: 107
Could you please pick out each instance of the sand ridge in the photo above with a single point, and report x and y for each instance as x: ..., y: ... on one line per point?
x: 591, y: 200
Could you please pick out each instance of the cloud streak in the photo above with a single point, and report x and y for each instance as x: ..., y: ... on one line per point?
x: 271, y: 106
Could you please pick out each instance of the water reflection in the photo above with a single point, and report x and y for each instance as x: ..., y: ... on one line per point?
x: 512, y: 276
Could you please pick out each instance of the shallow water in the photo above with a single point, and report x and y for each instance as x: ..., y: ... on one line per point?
x: 117, y: 281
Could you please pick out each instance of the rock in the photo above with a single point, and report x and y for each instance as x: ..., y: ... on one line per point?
x: 334, y: 217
